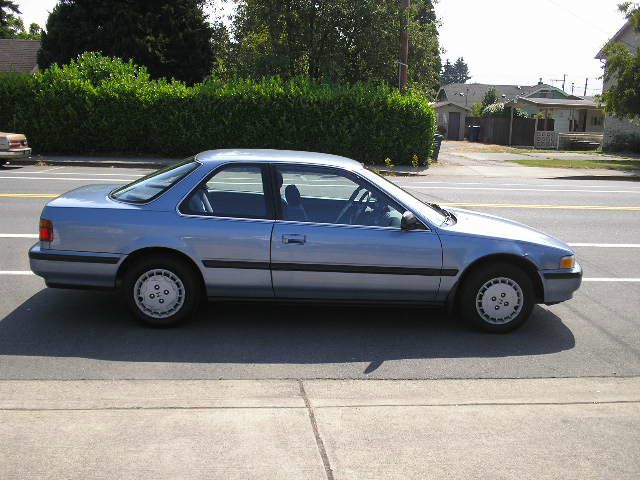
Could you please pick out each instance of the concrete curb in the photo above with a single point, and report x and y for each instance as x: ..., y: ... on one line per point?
x: 396, y: 173
x: 95, y: 162
x: 129, y: 162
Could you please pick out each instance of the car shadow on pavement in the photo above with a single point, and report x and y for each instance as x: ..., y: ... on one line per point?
x: 96, y: 325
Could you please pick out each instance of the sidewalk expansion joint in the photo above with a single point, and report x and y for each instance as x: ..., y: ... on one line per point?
x: 316, y: 432
x: 311, y: 409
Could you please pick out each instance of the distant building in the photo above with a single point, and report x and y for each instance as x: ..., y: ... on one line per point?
x: 618, y: 132
x: 570, y: 113
x: 19, y: 55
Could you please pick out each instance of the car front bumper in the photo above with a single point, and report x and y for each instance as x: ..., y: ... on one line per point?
x: 66, y: 269
x: 12, y: 154
x: 559, y: 285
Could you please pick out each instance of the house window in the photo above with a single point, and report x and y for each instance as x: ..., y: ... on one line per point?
x: 597, y: 121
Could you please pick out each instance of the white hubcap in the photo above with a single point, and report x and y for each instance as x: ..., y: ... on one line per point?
x: 499, y: 300
x: 159, y: 293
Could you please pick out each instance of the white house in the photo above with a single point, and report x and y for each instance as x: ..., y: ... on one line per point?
x: 620, y: 133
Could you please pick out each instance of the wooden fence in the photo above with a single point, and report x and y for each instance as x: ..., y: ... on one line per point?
x: 496, y: 130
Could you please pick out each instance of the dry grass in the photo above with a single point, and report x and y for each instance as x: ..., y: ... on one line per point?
x: 478, y: 147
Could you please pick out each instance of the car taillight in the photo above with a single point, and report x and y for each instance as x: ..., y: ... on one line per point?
x: 14, y: 144
x: 46, y: 230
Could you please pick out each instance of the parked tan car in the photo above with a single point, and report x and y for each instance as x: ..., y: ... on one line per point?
x: 13, y: 145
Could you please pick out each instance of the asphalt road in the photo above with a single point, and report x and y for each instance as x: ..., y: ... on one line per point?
x: 65, y: 334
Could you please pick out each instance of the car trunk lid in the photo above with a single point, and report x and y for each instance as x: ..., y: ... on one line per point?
x: 89, y: 196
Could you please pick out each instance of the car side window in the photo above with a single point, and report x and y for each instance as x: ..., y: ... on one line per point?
x: 234, y: 191
x: 325, y: 195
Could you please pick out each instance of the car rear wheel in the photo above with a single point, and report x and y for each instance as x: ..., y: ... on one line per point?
x: 497, y: 298
x: 162, y: 291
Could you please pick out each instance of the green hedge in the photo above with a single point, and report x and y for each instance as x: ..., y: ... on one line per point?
x: 100, y: 105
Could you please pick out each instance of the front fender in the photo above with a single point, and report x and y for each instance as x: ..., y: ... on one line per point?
x: 460, y: 252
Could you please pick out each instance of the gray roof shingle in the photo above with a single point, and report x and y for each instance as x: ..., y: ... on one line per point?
x: 19, y: 55
x: 467, y: 94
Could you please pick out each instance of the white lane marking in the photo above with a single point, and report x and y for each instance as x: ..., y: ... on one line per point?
x: 36, y: 172
x: 595, y: 245
x: 523, y: 189
x: 505, y: 184
x: 72, y: 179
x: 16, y: 272
x: 594, y: 279
x: 49, y: 169
x: 606, y: 245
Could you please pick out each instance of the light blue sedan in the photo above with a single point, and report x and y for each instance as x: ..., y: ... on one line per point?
x: 281, y: 225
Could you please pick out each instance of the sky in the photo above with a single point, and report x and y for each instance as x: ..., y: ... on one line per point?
x: 505, y: 41
x: 515, y: 42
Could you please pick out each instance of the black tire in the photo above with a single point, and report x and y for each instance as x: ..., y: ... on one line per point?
x: 190, y: 293
x: 472, y: 303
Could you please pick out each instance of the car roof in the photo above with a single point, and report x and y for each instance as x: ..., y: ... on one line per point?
x: 264, y: 155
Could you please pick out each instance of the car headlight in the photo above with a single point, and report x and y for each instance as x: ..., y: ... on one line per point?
x: 568, y: 261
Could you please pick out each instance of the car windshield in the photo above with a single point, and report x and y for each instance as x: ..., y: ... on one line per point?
x: 434, y: 215
x: 155, y: 184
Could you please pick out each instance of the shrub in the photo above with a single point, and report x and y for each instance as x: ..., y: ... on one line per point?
x: 499, y: 110
x: 629, y: 142
x: 476, y: 109
x: 103, y: 105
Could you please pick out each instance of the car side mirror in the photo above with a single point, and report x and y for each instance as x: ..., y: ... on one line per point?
x: 409, y: 221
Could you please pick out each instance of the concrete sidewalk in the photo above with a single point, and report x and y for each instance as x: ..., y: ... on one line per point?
x: 585, y: 428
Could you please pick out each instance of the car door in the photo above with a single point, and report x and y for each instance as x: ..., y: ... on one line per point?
x: 338, y: 237
x: 227, y: 222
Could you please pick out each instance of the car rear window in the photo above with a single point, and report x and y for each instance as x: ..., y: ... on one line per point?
x: 155, y: 184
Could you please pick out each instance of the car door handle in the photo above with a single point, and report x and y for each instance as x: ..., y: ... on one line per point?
x: 295, y: 239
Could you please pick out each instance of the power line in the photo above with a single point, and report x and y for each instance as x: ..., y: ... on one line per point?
x: 579, y: 17
x: 588, y: 22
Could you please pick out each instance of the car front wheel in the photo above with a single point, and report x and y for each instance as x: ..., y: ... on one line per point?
x: 162, y: 291
x: 497, y: 298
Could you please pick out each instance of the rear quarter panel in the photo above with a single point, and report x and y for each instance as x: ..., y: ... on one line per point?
x: 117, y: 231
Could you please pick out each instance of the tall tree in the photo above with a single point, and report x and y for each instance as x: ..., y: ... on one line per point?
x: 337, y: 40
x: 462, y: 70
x: 490, y: 97
x: 457, y: 72
x: 622, y: 69
x: 172, y: 38
x: 8, y: 12
x: 34, y: 33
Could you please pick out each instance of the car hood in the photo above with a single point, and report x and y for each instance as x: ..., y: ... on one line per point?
x: 485, y: 225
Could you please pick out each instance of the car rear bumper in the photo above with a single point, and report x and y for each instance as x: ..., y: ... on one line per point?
x: 16, y: 153
x: 67, y: 269
x: 559, y: 285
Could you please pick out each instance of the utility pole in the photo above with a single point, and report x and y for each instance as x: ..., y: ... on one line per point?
x: 586, y: 84
x: 404, y: 44
x: 564, y: 80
